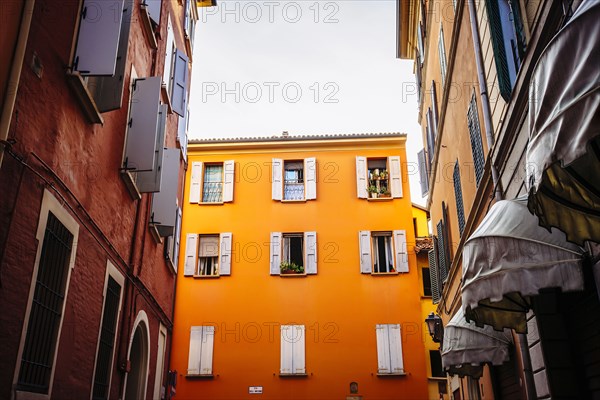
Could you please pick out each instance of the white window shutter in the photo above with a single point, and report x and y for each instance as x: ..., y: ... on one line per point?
x: 180, y: 83
x: 383, y: 350
x: 206, y: 356
x: 182, y: 137
x: 195, y: 350
x: 275, y: 246
x: 298, y: 350
x: 225, y: 253
x: 396, y: 359
x: 364, y: 244
x: 177, y: 239
x: 400, y: 247
x: 310, y: 173
x: 361, y: 177
x: 287, y: 336
x: 191, y: 254
x: 277, y: 179
x: 143, y: 125
x: 153, y: 7
x: 149, y: 181
x: 395, y: 176
x: 168, y: 55
x: 310, y: 252
x: 98, y: 38
x: 195, y: 182
x: 228, y: 180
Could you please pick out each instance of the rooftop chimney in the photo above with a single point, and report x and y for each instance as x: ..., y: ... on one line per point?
x: 285, y: 134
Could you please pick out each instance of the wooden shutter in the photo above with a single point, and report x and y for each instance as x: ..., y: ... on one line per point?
x: 396, y: 359
x: 186, y: 19
x: 195, y: 350
x: 498, y: 45
x: 434, y: 107
x: 149, y: 181
x: 177, y: 239
x: 277, y: 179
x: 441, y: 250
x: 168, y: 55
x: 310, y: 251
x: 191, y: 254
x: 423, y: 175
x: 195, y: 182
x: 433, y: 275
x: 383, y: 350
x: 476, y: 141
x: 225, y: 253
x: 287, y: 336
x: 98, y: 38
x: 182, y: 137
x: 153, y: 7
x: 395, y: 176
x: 401, y: 251
x: 180, y: 83
x: 275, y: 247
x: 442, y: 55
x: 310, y: 173
x: 164, y: 203
x: 206, y: 355
x: 361, y: 177
x: 143, y: 125
x: 228, y: 180
x: 364, y: 244
x: 298, y: 350
x: 460, y: 209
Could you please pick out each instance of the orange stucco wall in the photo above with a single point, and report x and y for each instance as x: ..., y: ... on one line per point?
x: 339, y: 306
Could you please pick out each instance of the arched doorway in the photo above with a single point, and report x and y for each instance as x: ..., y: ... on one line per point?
x: 137, y: 378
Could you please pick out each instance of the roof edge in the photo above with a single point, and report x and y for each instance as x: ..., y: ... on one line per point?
x: 291, y: 138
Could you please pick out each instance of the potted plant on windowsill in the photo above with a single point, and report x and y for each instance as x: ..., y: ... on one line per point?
x: 373, y: 191
x: 384, y: 192
x: 291, y: 268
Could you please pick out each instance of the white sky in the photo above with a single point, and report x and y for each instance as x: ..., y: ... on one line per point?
x: 307, y: 67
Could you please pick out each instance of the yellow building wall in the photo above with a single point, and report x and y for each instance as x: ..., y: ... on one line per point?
x: 420, y: 215
x: 339, y: 306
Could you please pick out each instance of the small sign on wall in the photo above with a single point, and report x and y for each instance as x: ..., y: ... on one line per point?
x: 255, y: 390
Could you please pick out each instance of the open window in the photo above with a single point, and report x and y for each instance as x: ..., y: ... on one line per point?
x: 383, y: 252
x: 150, y: 11
x: 378, y: 177
x: 293, y: 253
x: 208, y: 255
x: 212, y: 183
x: 294, y: 180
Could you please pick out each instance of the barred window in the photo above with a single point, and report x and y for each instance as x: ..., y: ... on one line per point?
x: 212, y: 188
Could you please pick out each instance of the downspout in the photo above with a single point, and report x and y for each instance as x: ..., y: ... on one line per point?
x: 498, y: 195
x: 15, y: 74
x: 485, y: 100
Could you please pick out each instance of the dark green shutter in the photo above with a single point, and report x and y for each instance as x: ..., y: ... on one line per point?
x: 497, y: 37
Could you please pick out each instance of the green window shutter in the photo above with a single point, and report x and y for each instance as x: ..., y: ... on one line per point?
x: 497, y: 37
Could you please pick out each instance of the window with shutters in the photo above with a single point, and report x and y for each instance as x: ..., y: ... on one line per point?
x: 163, y: 216
x: 433, y: 274
x: 200, y: 356
x: 212, y: 182
x: 383, y: 252
x: 293, y: 358
x: 57, y: 237
x: 418, y: 74
x: 113, y: 289
x: 389, y: 350
x: 150, y: 11
x: 172, y: 243
x: 442, y: 56
x: 442, y: 253
x: 476, y: 141
x: 460, y: 209
x: 423, y: 172
x: 208, y: 255
x: 294, y: 180
x: 435, y: 360
x: 293, y: 253
x: 379, y: 178
x: 97, y: 73
x: 426, y: 277
x: 189, y: 25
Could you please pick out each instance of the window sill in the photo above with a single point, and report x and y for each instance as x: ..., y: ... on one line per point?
x: 380, y: 198
x: 155, y: 235
x: 211, y: 203
x: 293, y: 375
x: 86, y: 101
x: 436, y: 378
x: 294, y: 201
x: 129, y: 181
x: 426, y: 297
x: 385, y: 273
x: 293, y: 275
x: 148, y: 30
x: 206, y: 276
x: 395, y: 375
x: 165, y: 97
x: 22, y: 395
x: 200, y: 376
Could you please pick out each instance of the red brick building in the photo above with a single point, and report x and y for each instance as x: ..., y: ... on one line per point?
x: 92, y: 160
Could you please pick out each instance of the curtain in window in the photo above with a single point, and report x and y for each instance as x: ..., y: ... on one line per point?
x: 293, y: 188
x: 213, y: 184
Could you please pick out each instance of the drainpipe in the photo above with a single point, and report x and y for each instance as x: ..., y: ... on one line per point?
x: 487, y: 120
x: 15, y: 74
x: 485, y: 100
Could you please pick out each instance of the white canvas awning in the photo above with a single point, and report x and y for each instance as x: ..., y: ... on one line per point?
x: 563, y: 154
x: 510, y: 257
x: 466, y: 347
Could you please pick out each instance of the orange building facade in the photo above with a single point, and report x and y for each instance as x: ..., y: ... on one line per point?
x: 295, y: 281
